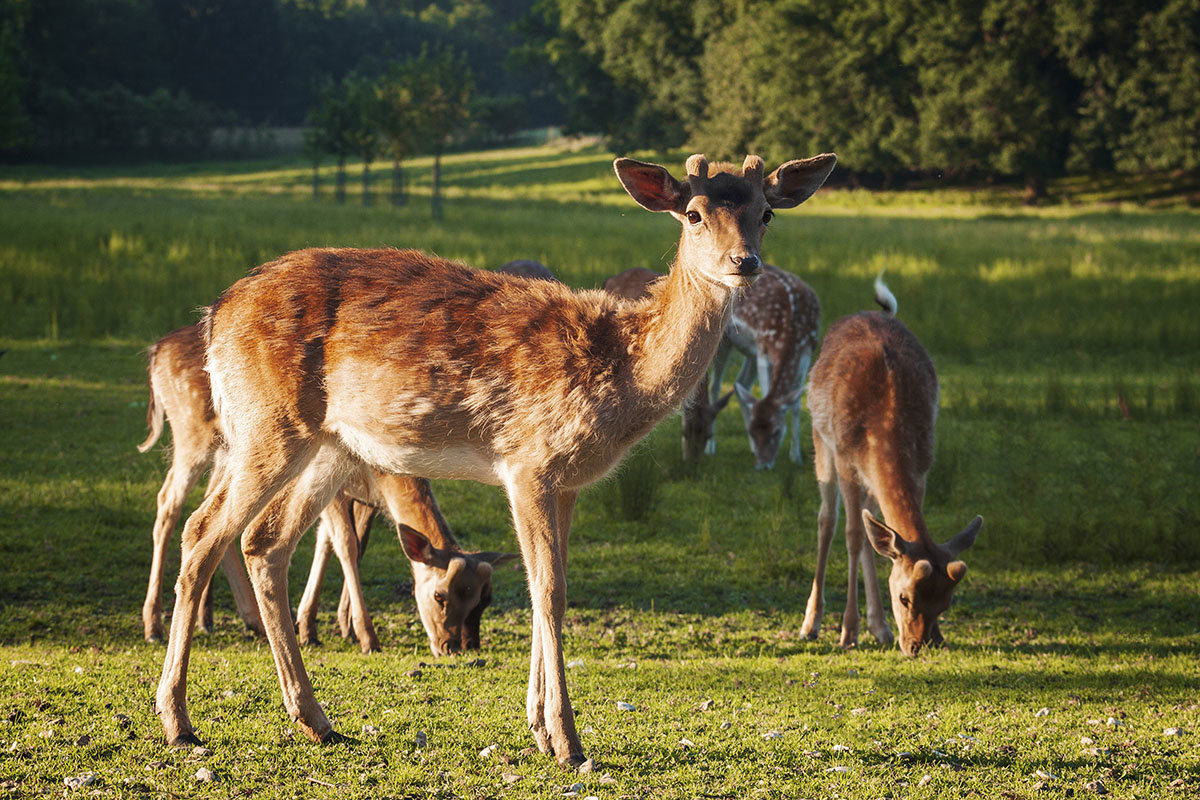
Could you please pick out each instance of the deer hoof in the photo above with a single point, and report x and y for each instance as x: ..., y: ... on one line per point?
x: 317, y: 737
x: 185, y: 739
x: 575, y: 761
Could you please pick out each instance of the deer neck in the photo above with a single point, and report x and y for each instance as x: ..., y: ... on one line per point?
x: 678, y: 332
x: 899, y: 500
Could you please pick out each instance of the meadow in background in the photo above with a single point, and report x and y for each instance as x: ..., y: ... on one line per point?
x: 1065, y: 339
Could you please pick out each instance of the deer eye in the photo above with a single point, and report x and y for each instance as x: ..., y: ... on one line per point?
x: 768, y: 215
x: 693, y: 217
x: 440, y: 597
x: 904, y: 601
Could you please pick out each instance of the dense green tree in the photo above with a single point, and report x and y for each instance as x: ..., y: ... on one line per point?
x: 398, y: 117
x: 334, y: 121
x: 1161, y: 93
x: 993, y: 95
x: 362, y: 101
x: 442, y: 88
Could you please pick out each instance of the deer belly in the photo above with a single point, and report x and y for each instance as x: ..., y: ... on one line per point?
x: 446, y: 460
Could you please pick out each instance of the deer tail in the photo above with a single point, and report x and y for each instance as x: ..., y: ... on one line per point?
x: 154, y: 411
x: 884, y: 297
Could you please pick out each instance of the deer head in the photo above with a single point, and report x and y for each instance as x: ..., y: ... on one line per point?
x: 765, y: 422
x: 452, y: 588
x: 724, y: 211
x: 922, y: 580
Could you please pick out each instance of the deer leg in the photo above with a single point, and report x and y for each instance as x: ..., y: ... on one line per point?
x: 802, y: 373
x: 876, y: 620
x: 763, y: 365
x: 235, y: 497
x: 362, y: 515
x: 205, y: 621
x: 268, y: 545
x: 536, y: 512
x: 715, y: 379
x: 345, y: 544
x: 306, y: 614
x: 185, y: 471
x: 745, y: 379
x: 826, y: 524
x: 243, y: 592
x: 852, y: 498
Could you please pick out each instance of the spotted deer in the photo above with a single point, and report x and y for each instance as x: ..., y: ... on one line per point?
x: 329, y: 358
x: 775, y: 325
x: 180, y: 394
x: 873, y: 397
x: 699, y: 412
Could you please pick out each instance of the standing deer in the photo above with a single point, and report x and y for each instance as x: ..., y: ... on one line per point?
x: 699, y: 413
x: 775, y: 326
x: 329, y: 358
x: 180, y: 394
x: 873, y: 398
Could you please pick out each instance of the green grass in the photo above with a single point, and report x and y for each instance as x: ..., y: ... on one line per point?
x: 1065, y: 340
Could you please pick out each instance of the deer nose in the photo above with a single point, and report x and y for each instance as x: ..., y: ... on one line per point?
x: 450, y: 647
x: 747, y: 264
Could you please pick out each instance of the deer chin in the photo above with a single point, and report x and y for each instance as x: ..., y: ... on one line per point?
x: 740, y: 280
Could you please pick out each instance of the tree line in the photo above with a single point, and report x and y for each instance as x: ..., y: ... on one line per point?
x: 87, y: 79
x: 413, y: 106
x: 971, y: 88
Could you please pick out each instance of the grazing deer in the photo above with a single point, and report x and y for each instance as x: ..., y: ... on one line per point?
x: 453, y: 587
x: 873, y: 398
x: 180, y: 394
x: 527, y: 268
x: 328, y: 358
x: 699, y: 415
x: 774, y: 325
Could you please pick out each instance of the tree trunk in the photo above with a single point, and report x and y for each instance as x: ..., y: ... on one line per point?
x: 340, y: 191
x: 398, y: 198
x: 366, y: 182
x: 1035, y: 189
x: 316, y: 181
x: 436, y: 206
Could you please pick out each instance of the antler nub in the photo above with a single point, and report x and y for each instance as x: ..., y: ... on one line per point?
x: 752, y: 168
x: 697, y: 166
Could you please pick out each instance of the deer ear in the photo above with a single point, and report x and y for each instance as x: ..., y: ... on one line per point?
x: 418, y: 549
x: 964, y: 539
x: 886, y: 541
x: 792, y: 397
x: 496, y: 559
x: 652, y: 186
x: 796, y: 181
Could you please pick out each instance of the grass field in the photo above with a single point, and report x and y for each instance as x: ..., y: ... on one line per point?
x: 1066, y: 342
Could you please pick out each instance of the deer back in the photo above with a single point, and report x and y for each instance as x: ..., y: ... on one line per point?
x: 873, y: 398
